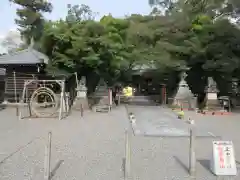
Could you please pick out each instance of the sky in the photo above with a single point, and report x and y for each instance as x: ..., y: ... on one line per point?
x: 118, y: 8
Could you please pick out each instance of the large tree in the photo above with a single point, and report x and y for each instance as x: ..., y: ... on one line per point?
x: 189, y: 34
x: 30, y: 19
x: 207, y: 40
x: 80, y: 44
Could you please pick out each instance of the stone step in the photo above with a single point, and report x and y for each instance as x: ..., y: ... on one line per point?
x: 102, y: 108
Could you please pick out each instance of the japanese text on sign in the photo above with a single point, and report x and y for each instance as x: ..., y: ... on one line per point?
x: 223, y: 162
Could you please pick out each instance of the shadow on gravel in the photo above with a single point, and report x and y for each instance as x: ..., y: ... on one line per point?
x: 238, y: 165
x: 123, y: 165
x: 2, y: 107
x: 16, y: 151
x: 206, y: 164
x: 184, y: 166
x: 59, y: 163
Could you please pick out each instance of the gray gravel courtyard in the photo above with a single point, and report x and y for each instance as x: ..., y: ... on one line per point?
x: 92, y: 148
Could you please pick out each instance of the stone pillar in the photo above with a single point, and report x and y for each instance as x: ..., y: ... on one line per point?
x: 184, y: 94
x: 211, y: 93
x: 81, y: 99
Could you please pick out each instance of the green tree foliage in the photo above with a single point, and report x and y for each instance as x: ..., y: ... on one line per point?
x: 179, y: 34
x: 91, y: 48
x: 30, y: 19
x: 209, y: 42
x: 188, y: 35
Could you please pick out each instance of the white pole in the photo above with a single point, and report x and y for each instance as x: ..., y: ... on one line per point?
x: 76, y: 76
x: 15, y: 93
x: 119, y: 98
x: 15, y: 86
x: 127, y: 167
x: 110, y: 98
x: 192, y: 153
x: 22, y: 100
x: 61, y: 100
x: 47, y: 166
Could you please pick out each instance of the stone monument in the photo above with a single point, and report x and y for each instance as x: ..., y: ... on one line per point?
x: 101, y: 89
x: 81, y: 98
x: 211, y: 94
x: 102, y: 93
x: 184, y: 94
x: 100, y: 101
x: 81, y: 88
x: 212, y: 89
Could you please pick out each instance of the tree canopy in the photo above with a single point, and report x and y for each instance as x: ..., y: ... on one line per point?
x: 201, y: 37
x: 30, y: 19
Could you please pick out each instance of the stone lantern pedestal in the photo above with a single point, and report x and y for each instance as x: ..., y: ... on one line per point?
x: 81, y: 98
x: 184, y: 97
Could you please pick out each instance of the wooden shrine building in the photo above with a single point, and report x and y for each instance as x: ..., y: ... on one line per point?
x: 19, y: 66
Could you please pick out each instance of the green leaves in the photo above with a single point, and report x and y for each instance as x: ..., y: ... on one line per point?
x: 199, y: 33
x: 31, y: 21
x: 181, y: 33
x: 86, y: 44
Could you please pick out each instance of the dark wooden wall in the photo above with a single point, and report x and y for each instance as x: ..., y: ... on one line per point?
x: 18, y: 74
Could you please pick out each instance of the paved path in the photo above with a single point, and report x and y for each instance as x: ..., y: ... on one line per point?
x: 159, y: 122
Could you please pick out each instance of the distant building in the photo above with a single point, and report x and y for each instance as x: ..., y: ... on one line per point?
x: 145, y: 81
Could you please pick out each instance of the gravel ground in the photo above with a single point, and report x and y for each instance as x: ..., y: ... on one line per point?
x: 82, y: 148
x: 92, y: 147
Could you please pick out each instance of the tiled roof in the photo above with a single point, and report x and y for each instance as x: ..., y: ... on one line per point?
x: 27, y: 56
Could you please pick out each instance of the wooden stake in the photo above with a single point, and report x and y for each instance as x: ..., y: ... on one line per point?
x: 47, y: 164
x: 192, y: 153
x: 127, y: 156
x: 81, y: 109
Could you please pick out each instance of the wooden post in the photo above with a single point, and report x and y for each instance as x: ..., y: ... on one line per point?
x: 181, y: 106
x: 28, y: 101
x: 127, y: 167
x: 164, y: 97
x: 15, y: 86
x: 15, y: 93
x: 110, y: 99
x: 61, y: 100
x: 229, y: 106
x: 119, y: 98
x: 81, y: 109
x: 21, y: 101
x: 192, y: 153
x: 76, y: 77
x: 47, y: 164
x: 17, y: 109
